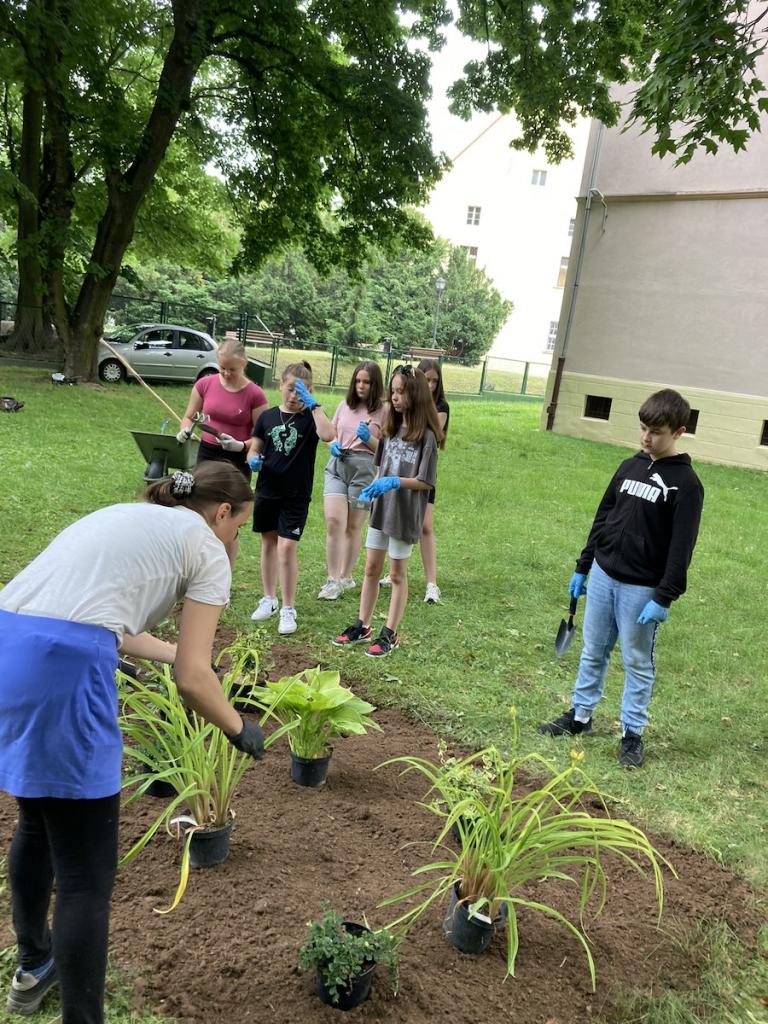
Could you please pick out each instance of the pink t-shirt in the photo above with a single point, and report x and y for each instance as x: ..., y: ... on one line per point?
x: 345, y: 421
x: 231, y: 412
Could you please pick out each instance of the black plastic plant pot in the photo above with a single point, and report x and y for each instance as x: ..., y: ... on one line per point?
x: 210, y: 846
x: 309, y: 771
x: 469, y: 934
x: 160, y: 789
x: 358, y: 987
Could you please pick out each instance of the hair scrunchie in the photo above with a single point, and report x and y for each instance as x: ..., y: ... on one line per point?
x: 182, y: 484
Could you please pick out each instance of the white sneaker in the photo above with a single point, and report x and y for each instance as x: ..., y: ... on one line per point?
x: 347, y: 583
x: 287, y: 621
x: 385, y: 581
x: 330, y: 590
x: 266, y: 609
x: 432, y: 595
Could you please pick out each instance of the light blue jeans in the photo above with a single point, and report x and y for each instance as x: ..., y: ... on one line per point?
x: 611, y: 612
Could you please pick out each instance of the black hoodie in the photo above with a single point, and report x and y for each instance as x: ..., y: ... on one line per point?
x: 645, y: 527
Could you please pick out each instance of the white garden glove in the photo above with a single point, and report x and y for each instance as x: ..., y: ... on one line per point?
x: 229, y: 444
x: 183, y: 436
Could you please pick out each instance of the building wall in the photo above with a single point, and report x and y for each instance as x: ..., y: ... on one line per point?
x: 729, y: 428
x: 671, y: 293
x: 523, y: 229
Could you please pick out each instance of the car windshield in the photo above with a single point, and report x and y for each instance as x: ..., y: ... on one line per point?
x: 123, y: 334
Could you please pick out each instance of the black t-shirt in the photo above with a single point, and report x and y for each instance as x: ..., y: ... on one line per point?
x: 443, y: 406
x: 290, y: 444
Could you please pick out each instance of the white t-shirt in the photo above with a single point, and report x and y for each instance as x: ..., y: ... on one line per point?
x: 123, y: 567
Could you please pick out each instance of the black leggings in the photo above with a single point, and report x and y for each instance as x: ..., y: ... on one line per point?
x: 75, y: 843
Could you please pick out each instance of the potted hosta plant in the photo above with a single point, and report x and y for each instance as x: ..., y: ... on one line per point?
x: 167, y: 741
x: 345, y: 956
x: 316, y: 708
x: 511, y: 840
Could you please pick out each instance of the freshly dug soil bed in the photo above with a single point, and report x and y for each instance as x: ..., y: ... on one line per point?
x: 229, y: 952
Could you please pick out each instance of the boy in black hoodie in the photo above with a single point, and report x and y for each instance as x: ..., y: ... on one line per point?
x: 637, y: 556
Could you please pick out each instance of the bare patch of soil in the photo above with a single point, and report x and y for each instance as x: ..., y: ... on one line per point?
x: 229, y: 952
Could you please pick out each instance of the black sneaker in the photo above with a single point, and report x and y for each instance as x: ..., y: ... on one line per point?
x: 357, y: 633
x: 384, y: 644
x: 631, y: 750
x: 28, y: 992
x: 565, y: 725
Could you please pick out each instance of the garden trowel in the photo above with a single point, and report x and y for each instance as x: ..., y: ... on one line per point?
x: 566, y: 630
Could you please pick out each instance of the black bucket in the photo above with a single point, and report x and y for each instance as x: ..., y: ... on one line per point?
x: 359, y: 987
x: 160, y: 789
x: 309, y: 771
x: 209, y: 846
x: 469, y: 934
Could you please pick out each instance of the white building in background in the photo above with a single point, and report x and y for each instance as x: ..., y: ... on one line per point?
x: 514, y: 214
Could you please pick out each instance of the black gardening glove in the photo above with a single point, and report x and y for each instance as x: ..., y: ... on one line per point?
x: 127, y: 668
x: 250, y: 740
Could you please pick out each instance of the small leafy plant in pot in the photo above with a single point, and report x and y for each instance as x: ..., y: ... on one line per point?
x: 345, y: 956
x: 316, y: 708
x: 511, y: 839
x: 166, y: 741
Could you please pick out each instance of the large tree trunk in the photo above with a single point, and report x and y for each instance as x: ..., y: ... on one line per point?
x: 31, y: 333
x: 126, y: 192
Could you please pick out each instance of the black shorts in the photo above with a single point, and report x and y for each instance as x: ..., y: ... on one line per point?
x: 215, y: 453
x: 286, y: 516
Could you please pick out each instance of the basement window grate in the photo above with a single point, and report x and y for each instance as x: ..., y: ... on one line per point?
x: 597, y: 407
x: 693, y: 422
x: 764, y: 435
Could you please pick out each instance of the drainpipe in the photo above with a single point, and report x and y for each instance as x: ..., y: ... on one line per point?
x: 591, y: 191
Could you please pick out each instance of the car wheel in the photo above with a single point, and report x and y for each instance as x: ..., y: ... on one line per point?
x: 111, y: 371
x: 206, y: 373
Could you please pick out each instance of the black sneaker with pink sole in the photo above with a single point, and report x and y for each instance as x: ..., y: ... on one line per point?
x: 357, y: 633
x: 384, y: 644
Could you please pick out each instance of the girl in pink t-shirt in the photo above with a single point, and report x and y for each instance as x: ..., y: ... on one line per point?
x: 358, y: 422
x: 231, y: 404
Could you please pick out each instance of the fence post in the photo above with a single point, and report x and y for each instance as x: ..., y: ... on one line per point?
x: 242, y: 329
x: 164, y: 312
x: 524, y: 385
x: 334, y: 364
x: 482, y: 376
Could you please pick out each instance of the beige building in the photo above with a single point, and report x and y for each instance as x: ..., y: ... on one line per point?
x: 666, y: 288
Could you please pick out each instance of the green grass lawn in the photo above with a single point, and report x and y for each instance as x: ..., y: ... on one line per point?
x: 514, y: 508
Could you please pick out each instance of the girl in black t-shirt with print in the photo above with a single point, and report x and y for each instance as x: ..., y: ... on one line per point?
x: 282, y: 451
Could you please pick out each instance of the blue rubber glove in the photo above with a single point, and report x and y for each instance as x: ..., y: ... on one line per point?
x: 653, y: 613
x: 363, y: 431
x: 380, y: 486
x: 256, y: 462
x: 336, y: 450
x: 578, y: 584
x: 304, y: 394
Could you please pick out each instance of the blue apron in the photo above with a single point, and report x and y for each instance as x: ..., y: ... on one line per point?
x: 59, y: 733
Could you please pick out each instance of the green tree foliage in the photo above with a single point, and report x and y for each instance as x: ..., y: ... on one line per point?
x: 393, y: 297
x: 550, y: 61
x: 314, y: 113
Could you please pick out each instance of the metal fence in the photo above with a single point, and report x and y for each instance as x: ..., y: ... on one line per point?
x: 332, y: 366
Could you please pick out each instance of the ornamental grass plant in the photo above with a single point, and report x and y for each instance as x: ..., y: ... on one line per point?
x: 316, y: 708
x: 168, y: 742
x: 512, y: 839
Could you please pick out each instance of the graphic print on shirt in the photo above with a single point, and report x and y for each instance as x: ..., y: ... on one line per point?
x: 406, y: 451
x: 647, y: 491
x: 284, y: 438
x: 662, y: 485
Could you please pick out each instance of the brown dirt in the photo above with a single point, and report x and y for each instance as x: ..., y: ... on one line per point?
x: 229, y: 951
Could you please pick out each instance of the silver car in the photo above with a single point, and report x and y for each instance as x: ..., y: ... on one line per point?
x: 159, y: 352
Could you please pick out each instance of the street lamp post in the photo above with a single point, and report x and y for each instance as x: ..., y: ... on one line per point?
x: 440, y: 284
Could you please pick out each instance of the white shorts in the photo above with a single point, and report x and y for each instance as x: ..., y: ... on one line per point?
x: 379, y: 541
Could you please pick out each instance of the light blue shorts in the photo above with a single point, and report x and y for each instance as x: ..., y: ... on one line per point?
x: 396, y: 549
x: 59, y: 733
